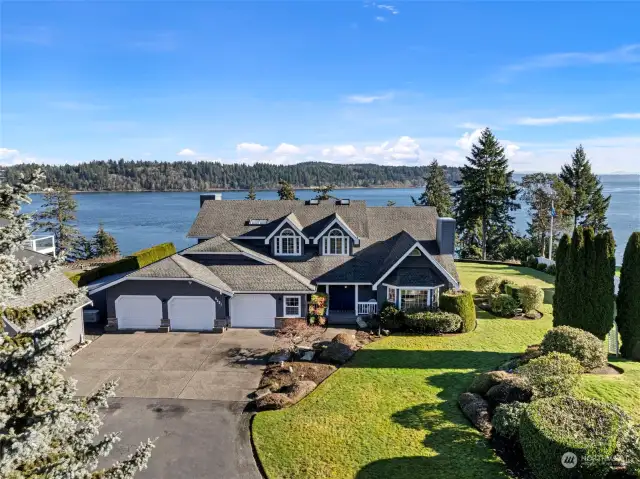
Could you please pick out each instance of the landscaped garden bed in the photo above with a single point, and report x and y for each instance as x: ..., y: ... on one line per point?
x: 503, y: 297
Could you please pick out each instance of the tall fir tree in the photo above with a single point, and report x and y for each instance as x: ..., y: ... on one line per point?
x: 487, y: 194
x: 324, y: 192
x: 563, y: 284
x: 437, y: 192
x: 286, y: 191
x: 628, y: 301
x: 104, y: 243
x: 58, y: 216
x: 82, y: 249
x: 251, y: 194
x: 588, y: 204
x: 44, y: 430
x: 603, y: 296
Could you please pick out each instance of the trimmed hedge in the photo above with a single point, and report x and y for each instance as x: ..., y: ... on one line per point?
x: 506, y: 418
x: 583, y: 346
x: 391, y: 317
x: 628, y: 301
x: 551, y: 427
x: 531, y: 297
x: 513, y: 290
x: 135, y: 261
x: 504, y: 305
x: 503, y: 285
x: 556, y: 374
x: 460, y: 303
x: 437, y: 322
x: 488, y: 284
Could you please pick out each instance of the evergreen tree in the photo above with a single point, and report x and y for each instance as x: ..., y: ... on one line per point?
x: 82, y: 248
x: 391, y: 203
x: 437, y: 192
x: 44, y: 430
x: 58, y: 217
x: 587, y: 204
x: 628, y: 301
x: 324, y: 192
x: 603, y: 296
x: 251, y: 194
x: 104, y: 243
x: 563, y: 284
x: 577, y: 268
x: 487, y: 193
x: 286, y: 191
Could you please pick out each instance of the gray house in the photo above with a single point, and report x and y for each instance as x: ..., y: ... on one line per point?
x: 42, y: 290
x: 258, y: 261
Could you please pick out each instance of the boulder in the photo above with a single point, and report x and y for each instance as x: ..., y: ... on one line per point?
x: 262, y: 392
x: 347, y: 339
x: 476, y: 409
x: 308, y: 355
x: 485, y: 381
x: 511, y: 389
x: 362, y: 324
x: 273, y: 401
x: 338, y: 353
x: 280, y: 356
x: 299, y: 389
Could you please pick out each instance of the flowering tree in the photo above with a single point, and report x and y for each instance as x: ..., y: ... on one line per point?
x: 44, y: 430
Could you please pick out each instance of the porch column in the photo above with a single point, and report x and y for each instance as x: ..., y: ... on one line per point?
x: 356, y: 288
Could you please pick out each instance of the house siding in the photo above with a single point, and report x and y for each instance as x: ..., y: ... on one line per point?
x: 365, y: 293
x: 423, y: 262
x: 280, y: 304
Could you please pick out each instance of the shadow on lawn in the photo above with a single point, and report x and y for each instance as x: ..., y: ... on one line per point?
x: 428, y: 359
x: 454, y: 447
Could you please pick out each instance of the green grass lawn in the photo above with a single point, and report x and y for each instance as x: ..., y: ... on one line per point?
x: 391, y: 413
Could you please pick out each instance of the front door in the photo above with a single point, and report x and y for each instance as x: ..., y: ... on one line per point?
x: 342, y: 298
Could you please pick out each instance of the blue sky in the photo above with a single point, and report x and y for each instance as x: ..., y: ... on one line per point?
x: 347, y: 82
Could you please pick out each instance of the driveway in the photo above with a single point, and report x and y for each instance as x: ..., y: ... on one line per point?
x: 219, y: 367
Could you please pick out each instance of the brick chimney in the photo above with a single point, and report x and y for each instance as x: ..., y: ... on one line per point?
x: 446, y: 235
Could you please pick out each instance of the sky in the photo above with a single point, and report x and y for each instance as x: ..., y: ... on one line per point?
x: 394, y: 83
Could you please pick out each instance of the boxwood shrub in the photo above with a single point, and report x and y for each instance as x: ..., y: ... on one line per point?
x: 435, y: 322
x: 504, y: 305
x: 488, y: 284
x: 460, y: 303
x: 551, y: 427
x: 506, y: 418
x: 582, y: 345
x: 556, y: 374
x: 391, y: 317
x: 503, y: 285
x: 531, y: 297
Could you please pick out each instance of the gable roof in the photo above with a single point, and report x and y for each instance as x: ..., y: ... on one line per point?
x: 291, y: 220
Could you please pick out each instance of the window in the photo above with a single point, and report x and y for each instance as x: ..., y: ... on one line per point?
x: 292, y: 306
x: 391, y: 295
x: 287, y: 243
x: 415, y: 252
x: 255, y: 222
x: 413, y: 299
x: 335, y: 243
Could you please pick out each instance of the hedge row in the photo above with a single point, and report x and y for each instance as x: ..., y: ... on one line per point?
x: 628, y: 301
x: 460, y: 303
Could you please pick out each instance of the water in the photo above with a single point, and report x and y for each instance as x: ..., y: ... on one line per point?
x: 140, y: 220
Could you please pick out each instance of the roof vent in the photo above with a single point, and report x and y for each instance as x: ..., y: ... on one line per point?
x: 258, y: 222
x: 344, y: 202
x: 313, y: 202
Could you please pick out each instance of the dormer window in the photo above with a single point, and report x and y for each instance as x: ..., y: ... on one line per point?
x: 288, y: 243
x: 335, y: 243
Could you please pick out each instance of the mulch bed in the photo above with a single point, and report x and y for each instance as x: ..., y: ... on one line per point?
x: 484, y: 305
x: 302, y: 371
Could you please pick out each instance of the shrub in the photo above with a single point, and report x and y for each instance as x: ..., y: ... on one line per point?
x: 476, y: 409
x: 531, y: 262
x: 485, y: 381
x: 504, y: 305
x: 318, y: 309
x: 433, y: 322
x: 541, y: 267
x: 551, y: 269
x: 488, y: 284
x: 460, y: 303
x: 628, y: 301
x: 506, y: 418
x: 551, y: 427
x: 513, y: 388
x: 503, y: 285
x: 583, y: 346
x: 531, y: 297
x: 556, y: 374
x: 391, y: 317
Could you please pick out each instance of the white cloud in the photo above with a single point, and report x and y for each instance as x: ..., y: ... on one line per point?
x: 468, y: 139
x: 626, y: 116
x: 186, y: 152
x: 390, y: 8
x: 251, y: 147
x: 10, y: 157
x: 340, y: 150
x: 285, y: 149
x: 6, y: 153
x: 555, y: 120
x: 365, y: 99
x: 381, y: 19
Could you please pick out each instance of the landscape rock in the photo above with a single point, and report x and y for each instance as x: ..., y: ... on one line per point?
x: 476, y: 409
x: 300, y: 389
x: 347, y: 339
x: 273, y: 401
x: 280, y: 356
x: 385, y: 332
x: 262, y: 392
x: 485, y: 381
x: 511, y: 389
x: 338, y: 353
x: 362, y: 324
x: 308, y: 356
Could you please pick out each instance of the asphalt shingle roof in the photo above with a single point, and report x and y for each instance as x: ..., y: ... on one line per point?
x: 413, y: 277
x: 259, y: 277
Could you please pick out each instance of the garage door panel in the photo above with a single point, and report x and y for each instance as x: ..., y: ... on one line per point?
x: 138, y: 312
x: 252, y: 311
x: 191, y: 313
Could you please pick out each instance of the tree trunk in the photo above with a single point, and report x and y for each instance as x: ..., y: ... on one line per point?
x: 484, y: 237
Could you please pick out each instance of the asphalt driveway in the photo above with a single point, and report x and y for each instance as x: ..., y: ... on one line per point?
x: 219, y: 367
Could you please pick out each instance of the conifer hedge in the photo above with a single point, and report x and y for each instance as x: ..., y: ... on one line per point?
x: 628, y: 302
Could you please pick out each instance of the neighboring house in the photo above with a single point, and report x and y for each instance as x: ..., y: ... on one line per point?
x: 44, y: 289
x: 259, y: 261
x: 43, y: 244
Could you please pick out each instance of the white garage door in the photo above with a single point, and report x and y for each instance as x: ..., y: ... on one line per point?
x: 252, y: 311
x: 138, y: 312
x: 191, y: 313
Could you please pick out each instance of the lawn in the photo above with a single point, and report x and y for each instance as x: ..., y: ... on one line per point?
x: 391, y: 412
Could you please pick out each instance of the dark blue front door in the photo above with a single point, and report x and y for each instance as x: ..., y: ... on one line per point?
x: 342, y: 298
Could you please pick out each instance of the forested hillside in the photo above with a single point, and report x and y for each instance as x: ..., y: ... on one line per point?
x: 186, y: 176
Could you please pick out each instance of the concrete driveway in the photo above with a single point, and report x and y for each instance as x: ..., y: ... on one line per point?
x: 219, y: 367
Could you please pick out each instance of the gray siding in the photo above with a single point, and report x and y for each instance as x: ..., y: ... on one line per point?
x: 446, y: 235
x: 423, y: 262
x: 382, y: 296
x: 100, y: 303
x: 75, y: 331
x: 365, y: 293
x: 164, y: 290
x: 280, y: 304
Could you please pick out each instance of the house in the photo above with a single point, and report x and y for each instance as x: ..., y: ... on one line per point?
x: 256, y: 262
x: 41, y: 290
x: 40, y: 243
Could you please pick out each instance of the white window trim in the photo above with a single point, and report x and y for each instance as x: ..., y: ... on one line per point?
x: 291, y: 226
x: 344, y: 226
x: 297, y: 243
x: 284, y: 307
x: 326, y: 242
x: 398, y: 289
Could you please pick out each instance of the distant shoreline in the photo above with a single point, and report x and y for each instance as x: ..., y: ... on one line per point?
x: 223, y: 190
